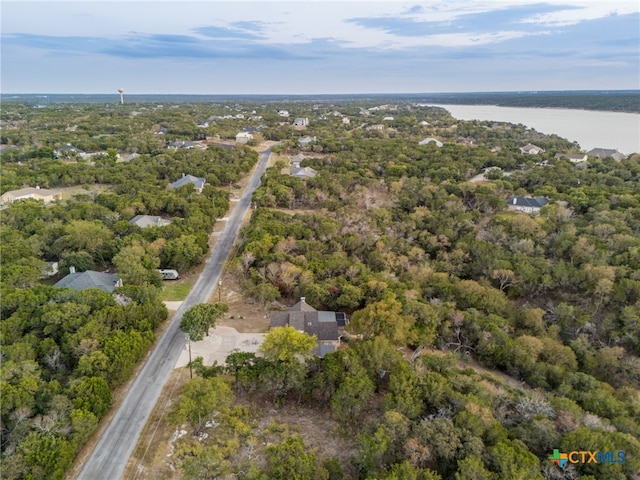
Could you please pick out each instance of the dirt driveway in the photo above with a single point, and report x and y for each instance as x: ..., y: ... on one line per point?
x: 220, y: 343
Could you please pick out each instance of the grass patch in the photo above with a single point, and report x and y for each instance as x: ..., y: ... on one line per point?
x: 174, y: 291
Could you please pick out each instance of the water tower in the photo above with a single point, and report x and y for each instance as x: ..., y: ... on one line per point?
x: 121, y: 91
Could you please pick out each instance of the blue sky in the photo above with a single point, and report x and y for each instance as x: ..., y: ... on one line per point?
x: 314, y: 47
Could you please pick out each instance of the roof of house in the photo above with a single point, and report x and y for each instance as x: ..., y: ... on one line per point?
x: 303, y: 172
x: 144, y: 221
x: 306, y: 140
x: 197, y: 182
x: 28, y: 192
x: 429, y: 140
x: 89, y: 279
x: 534, y: 202
x: 529, y: 147
x: 572, y: 156
x: 305, y: 318
x: 606, y: 153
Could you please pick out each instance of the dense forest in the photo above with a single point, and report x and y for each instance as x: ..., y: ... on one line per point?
x: 480, y: 339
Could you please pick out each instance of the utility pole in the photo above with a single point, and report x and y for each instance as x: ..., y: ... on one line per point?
x: 189, y: 346
x: 219, y: 291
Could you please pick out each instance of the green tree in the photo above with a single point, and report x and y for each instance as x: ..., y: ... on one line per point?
x: 286, y: 344
x: 292, y: 460
x: 201, y: 400
x: 137, y: 266
x: 197, y: 321
x: 383, y: 318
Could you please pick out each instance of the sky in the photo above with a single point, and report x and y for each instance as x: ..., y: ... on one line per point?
x: 318, y: 46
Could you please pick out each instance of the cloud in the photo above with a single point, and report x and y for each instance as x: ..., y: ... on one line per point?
x: 240, y: 32
x: 343, y: 46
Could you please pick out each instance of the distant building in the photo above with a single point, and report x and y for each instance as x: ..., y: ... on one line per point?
x: 186, y: 144
x: 66, y: 151
x: 283, y: 113
x: 527, y: 204
x: 36, y: 193
x: 107, y: 282
x: 377, y: 126
x: 301, y: 122
x: 573, y: 157
x: 328, y: 327
x: 429, y: 140
x: 145, y: 221
x: 243, y: 137
x: 304, y: 141
x: 197, y: 182
x: 531, y: 149
x: 606, y: 153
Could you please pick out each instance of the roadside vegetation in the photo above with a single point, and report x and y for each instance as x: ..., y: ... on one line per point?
x: 440, y: 281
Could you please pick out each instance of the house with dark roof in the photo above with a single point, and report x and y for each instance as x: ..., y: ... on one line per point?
x: 526, y: 204
x: 606, y: 153
x: 327, y: 327
x: 301, y: 172
x: 145, y: 221
x: 66, y: 151
x: 107, y: 282
x: 197, y: 182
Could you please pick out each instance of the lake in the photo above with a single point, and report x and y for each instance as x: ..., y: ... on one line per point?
x: 591, y: 129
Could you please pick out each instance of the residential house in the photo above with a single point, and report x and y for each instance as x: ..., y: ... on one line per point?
x: 424, y: 123
x: 197, y: 182
x: 530, y: 149
x: 301, y: 122
x: 526, y: 204
x: 283, y: 113
x: 36, y: 193
x: 573, y: 157
x: 305, y: 141
x: 107, y: 282
x: 186, y: 144
x: 243, y: 137
x: 429, y: 140
x: 387, y: 119
x: 377, y: 126
x: 606, y: 153
x: 66, y: 151
x: 346, y: 121
x: 328, y: 327
x: 145, y: 221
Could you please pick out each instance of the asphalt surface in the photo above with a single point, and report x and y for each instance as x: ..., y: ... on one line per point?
x: 111, y: 454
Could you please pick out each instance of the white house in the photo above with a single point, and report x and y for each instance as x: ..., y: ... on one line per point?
x: 429, y: 140
x: 530, y: 149
x: 36, y: 193
x: 301, y: 122
x: 243, y: 137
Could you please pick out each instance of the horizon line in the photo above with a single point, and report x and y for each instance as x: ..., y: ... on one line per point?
x: 342, y: 93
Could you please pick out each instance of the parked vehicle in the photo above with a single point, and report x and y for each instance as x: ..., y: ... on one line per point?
x: 169, y: 274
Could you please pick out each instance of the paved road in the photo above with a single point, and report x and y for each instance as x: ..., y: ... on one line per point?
x: 112, y: 452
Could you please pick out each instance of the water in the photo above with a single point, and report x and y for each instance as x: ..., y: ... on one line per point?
x: 590, y: 129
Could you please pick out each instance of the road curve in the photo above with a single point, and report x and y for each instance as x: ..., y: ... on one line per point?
x: 111, y: 454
